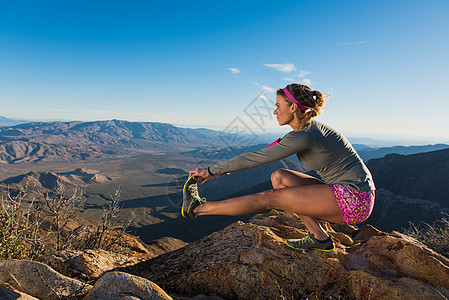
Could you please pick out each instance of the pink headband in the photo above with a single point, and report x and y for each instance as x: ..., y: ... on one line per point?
x: 301, y: 107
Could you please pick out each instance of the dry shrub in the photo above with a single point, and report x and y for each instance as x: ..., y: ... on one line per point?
x: 61, y: 205
x: 20, y: 226
x: 40, y: 225
x: 435, y: 236
x: 107, y: 233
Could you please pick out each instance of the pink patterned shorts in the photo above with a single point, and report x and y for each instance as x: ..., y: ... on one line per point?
x: 355, y: 206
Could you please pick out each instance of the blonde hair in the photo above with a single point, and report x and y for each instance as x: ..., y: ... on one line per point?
x: 311, y: 99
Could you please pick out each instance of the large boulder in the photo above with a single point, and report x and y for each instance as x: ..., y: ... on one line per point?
x: 87, y: 264
x: 91, y: 264
x: 251, y: 261
x: 404, y: 257
x: 39, y: 280
x: 123, y: 286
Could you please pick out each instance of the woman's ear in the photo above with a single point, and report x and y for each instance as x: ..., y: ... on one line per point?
x: 293, y: 107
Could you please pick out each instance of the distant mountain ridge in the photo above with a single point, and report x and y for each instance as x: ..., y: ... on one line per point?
x: 419, y: 176
x: 110, y: 132
x: 4, y: 121
x: 11, y: 122
x: 50, y: 141
x: 368, y: 153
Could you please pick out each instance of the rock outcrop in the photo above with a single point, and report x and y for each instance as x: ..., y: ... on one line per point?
x: 123, y: 286
x: 39, y: 280
x: 243, y: 261
x: 87, y: 264
x: 127, y: 250
x: 251, y: 261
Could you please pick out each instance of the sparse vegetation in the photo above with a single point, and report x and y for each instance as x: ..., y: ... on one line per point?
x: 32, y: 224
x: 61, y: 205
x: 435, y: 236
x: 107, y: 233
x: 20, y: 235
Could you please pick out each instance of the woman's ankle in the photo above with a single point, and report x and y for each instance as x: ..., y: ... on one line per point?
x: 320, y: 236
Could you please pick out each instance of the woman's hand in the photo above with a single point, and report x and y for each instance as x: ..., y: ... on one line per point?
x: 201, y: 175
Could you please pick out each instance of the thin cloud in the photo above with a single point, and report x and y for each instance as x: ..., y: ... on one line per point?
x: 306, y: 81
x: 288, y: 79
x: 287, y: 68
x: 352, y: 43
x: 265, y: 88
x: 234, y: 70
x: 303, y: 73
x: 83, y: 111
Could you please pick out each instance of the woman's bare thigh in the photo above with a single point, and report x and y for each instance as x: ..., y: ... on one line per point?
x: 309, y: 200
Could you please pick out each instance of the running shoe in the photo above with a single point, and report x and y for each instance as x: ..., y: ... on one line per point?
x: 310, y: 243
x: 190, y: 198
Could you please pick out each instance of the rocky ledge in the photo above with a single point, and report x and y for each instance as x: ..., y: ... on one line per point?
x: 251, y: 261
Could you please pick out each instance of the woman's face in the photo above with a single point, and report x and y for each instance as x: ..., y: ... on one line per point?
x: 283, y: 111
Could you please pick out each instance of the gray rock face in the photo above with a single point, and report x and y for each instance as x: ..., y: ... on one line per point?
x: 123, y: 286
x: 39, y: 280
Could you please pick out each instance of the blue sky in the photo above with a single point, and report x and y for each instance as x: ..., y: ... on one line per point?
x: 202, y: 63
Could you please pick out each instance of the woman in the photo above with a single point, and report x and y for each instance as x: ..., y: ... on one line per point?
x: 344, y: 195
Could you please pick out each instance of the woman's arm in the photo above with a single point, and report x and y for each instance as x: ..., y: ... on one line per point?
x: 292, y: 143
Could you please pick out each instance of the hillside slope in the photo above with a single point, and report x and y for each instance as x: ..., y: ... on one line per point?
x: 419, y: 176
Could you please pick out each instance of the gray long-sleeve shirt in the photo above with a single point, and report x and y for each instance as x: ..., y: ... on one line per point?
x: 319, y: 148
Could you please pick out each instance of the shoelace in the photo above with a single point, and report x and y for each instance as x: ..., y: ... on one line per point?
x: 305, y: 241
x: 193, y: 189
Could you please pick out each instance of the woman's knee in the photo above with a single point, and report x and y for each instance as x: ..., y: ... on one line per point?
x: 286, y: 178
x: 277, y: 178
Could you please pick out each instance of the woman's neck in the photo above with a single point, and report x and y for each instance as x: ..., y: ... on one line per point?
x: 298, y: 125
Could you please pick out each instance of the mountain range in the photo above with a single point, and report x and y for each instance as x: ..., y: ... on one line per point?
x: 52, y: 141
x: 76, y: 140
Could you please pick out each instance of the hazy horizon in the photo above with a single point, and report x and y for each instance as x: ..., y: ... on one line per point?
x: 274, y: 133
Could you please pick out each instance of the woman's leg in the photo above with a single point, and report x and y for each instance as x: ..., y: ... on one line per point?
x: 294, y: 192
x: 287, y: 178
